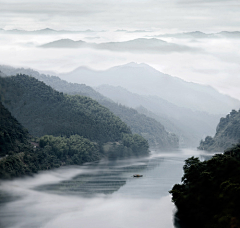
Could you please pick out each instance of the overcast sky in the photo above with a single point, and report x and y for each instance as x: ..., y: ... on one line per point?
x: 165, y: 15
x: 216, y: 62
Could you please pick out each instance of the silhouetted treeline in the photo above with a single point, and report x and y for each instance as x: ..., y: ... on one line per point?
x: 209, y: 195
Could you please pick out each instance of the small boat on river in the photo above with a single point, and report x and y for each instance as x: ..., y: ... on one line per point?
x: 137, y: 175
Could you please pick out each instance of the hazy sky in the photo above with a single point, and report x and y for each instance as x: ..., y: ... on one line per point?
x: 213, y: 62
x: 165, y: 15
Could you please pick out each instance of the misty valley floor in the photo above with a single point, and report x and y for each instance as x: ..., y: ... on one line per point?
x: 97, y: 194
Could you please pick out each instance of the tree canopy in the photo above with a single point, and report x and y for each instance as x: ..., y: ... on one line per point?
x: 209, y: 195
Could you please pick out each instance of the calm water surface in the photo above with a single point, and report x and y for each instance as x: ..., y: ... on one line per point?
x: 97, y: 195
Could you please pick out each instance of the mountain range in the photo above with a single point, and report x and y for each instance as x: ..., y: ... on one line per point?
x: 143, y: 79
x: 140, y: 110
x: 149, y: 128
x: 190, y: 126
x: 193, y: 34
x: 46, y: 31
x: 202, y: 35
x: 152, y: 45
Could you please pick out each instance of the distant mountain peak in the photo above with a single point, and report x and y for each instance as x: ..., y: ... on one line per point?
x: 47, y: 29
x: 134, y: 65
x: 197, y: 32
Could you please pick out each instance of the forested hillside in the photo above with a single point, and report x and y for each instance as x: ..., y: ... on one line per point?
x: 140, y: 124
x: 227, y: 134
x: 55, y: 82
x: 13, y: 136
x: 44, y: 111
x: 72, y: 129
x: 190, y: 126
x: 19, y: 157
x: 209, y: 195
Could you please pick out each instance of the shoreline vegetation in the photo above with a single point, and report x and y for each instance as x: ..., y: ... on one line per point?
x: 209, y: 195
x: 41, y: 129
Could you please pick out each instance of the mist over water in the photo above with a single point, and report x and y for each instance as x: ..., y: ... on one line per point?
x: 102, y: 193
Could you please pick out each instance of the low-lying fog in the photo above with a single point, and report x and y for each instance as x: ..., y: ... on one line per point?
x: 105, y: 194
x: 213, y: 61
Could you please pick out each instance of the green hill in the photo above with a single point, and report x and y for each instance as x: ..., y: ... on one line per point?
x: 13, y: 136
x: 147, y: 127
x: 227, y: 134
x: 44, y: 111
x: 72, y: 129
x: 20, y: 157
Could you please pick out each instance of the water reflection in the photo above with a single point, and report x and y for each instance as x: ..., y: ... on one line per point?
x: 105, y: 177
x: 102, y: 195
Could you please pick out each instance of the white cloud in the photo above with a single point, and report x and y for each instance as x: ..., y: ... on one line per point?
x: 135, y: 14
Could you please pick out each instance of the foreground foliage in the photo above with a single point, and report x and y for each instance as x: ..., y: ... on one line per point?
x: 209, y: 195
x: 52, y: 153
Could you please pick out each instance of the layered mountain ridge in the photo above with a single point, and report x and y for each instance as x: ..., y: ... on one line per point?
x: 145, y: 80
x: 149, y: 128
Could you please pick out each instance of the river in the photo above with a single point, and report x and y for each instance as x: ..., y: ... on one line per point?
x: 97, y: 195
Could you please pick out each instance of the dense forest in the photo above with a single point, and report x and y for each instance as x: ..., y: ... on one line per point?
x: 147, y: 127
x: 209, y: 195
x: 227, y: 134
x: 21, y: 154
x: 44, y: 111
x: 64, y: 129
x: 13, y: 137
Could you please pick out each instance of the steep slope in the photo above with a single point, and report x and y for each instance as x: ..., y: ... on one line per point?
x: 19, y: 157
x: 145, y: 80
x: 190, y: 126
x: 53, y: 81
x: 227, y: 134
x: 43, y: 110
x: 13, y: 136
x: 149, y: 128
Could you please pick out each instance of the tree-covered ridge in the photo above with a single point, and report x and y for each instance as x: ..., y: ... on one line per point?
x: 20, y: 157
x: 55, y: 82
x: 209, y: 195
x: 145, y: 126
x: 227, y: 134
x: 44, y: 111
x: 140, y: 124
x: 13, y: 136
